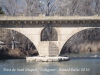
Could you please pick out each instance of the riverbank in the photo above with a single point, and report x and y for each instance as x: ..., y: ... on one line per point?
x: 7, y: 53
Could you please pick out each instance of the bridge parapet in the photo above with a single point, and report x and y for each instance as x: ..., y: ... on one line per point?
x: 50, y: 18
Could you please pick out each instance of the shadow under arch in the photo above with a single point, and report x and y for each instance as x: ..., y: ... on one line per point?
x: 21, y: 42
x: 87, y: 40
x: 49, y: 34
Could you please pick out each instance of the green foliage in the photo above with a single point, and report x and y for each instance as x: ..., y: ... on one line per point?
x: 1, y: 12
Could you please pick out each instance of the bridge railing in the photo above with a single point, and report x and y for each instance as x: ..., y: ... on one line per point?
x: 43, y: 17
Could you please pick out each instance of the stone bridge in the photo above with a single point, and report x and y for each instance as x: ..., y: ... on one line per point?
x: 33, y: 27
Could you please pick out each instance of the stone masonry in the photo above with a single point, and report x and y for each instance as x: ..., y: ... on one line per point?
x: 32, y: 27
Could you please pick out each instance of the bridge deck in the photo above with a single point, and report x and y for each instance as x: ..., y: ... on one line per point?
x: 50, y: 18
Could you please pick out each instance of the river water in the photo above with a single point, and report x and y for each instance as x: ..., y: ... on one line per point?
x: 73, y: 67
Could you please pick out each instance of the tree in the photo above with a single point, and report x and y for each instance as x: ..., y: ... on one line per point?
x: 29, y: 7
x: 48, y: 7
x: 13, y: 7
x: 78, y: 7
x: 1, y: 12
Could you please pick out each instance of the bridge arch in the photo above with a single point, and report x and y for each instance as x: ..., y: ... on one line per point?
x: 21, y: 37
x: 85, y: 45
x: 49, y: 34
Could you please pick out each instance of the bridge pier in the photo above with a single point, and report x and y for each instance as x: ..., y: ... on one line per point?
x: 47, y: 59
x: 48, y: 49
x: 48, y: 52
